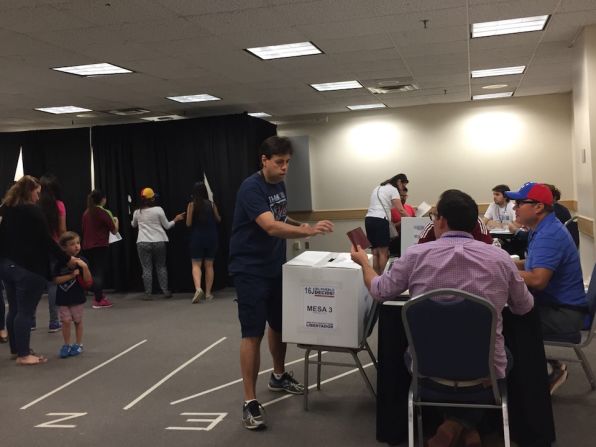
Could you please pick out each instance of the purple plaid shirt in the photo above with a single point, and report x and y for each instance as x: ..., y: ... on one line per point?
x: 458, y: 261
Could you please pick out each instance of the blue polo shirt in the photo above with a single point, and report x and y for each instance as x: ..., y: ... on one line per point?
x: 551, y: 247
x: 252, y: 250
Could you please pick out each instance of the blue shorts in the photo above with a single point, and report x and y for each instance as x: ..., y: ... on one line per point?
x: 259, y: 302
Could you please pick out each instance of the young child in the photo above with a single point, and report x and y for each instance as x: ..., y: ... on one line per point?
x: 70, y: 296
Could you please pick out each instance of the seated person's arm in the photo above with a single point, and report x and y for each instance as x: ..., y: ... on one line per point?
x: 537, y: 278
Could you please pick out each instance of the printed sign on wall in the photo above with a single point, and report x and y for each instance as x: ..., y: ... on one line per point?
x: 319, y: 307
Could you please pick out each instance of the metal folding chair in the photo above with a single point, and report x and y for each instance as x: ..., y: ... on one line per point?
x: 579, y: 341
x: 451, y: 337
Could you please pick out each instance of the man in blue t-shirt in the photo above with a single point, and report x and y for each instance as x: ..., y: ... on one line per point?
x: 257, y: 253
x: 552, y: 270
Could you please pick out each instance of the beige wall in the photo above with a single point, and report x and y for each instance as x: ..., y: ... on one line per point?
x: 471, y: 146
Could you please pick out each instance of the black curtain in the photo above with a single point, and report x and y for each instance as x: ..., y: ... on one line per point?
x: 10, y: 144
x: 66, y: 154
x: 229, y: 153
x: 170, y: 157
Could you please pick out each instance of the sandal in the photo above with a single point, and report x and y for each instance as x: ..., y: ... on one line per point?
x: 37, y: 360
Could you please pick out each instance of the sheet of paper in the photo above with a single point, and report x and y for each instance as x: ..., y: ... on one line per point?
x: 422, y: 209
x: 114, y: 238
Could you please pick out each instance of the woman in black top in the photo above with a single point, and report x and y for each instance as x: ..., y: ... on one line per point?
x: 25, y: 248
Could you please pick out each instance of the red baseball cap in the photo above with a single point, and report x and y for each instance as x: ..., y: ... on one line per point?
x: 532, y: 191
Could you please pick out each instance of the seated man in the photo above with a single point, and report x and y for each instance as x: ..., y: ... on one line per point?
x: 454, y: 260
x: 552, y: 270
x: 480, y: 233
x: 499, y: 214
x: 564, y: 215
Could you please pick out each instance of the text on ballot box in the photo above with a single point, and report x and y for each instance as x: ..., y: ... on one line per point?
x: 410, y: 230
x: 325, y: 301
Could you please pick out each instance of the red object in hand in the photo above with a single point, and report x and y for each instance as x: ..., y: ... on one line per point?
x: 357, y: 237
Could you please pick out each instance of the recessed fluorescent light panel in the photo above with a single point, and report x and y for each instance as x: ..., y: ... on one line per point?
x: 283, y: 51
x: 367, y: 106
x: 194, y: 98
x: 163, y: 118
x: 500, y: 27
x: 345, y: 85
x: 63, y: 109
x: 494, y: 86
x: 492, y: 96
x: 498, y: 71
x: 259, y: 115
x: 93, y: 69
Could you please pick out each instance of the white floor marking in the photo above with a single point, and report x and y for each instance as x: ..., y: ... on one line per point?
x: 212, y: 421
x: 30, y: 404
x: 314, y: 385
x: 67, y: 416
x: 233, y: 382
x: 169, y: 376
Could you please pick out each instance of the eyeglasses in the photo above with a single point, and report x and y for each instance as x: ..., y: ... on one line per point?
x: 433, y: 216
x: 518, y: 203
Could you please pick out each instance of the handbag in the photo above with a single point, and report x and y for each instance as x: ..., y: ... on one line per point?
x: 392, y: 229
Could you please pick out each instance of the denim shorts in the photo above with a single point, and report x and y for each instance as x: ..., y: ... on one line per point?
x: 259, y: 302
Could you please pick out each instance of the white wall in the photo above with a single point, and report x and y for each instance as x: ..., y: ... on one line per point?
x: 471, y: 146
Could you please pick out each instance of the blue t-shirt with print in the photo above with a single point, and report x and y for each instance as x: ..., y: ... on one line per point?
x: 551, y: 247
x: 252, y: 250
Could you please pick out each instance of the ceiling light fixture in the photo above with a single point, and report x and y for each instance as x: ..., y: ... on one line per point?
x: 194, y: 98
x: 343, y: 85
x: 286, y: 50
x: 498, y: 71
x: 494, y: 86
x: 367, y: 106
x: 500, y: 27
x: 62, y: 109
x: 162, y: 118
x: 93, y: 69
x: 492, y: 96
x: 259, y: 114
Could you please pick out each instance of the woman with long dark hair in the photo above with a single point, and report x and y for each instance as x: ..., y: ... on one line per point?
x: 98, y: 223
x: 151, y: 241
x: 202, y: 216
x: 378, y: 217
x: 25, y: 248
x: 55, y: 213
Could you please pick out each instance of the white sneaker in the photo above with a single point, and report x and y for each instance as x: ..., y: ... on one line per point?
x: 198, y: 296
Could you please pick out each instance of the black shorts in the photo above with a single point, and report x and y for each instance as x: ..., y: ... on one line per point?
x: 377, y: 231
x: 259, y: 302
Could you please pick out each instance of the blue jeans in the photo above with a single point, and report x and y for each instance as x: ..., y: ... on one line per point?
x: 23, y: 291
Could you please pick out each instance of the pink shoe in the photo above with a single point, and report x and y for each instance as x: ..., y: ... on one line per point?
x: 101, y: 304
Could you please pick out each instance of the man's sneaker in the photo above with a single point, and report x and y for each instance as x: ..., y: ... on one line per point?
x: 253, y: 415
x: 557, y: 378
x: 75, y: 350
x: 198, y: 296
x: 286, y: 383
x: 55, y: 326
x: 103, y: 303
x: 64, y: 351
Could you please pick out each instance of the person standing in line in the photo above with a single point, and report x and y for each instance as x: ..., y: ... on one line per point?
x: 55, y: 212
x: 98, y: 223
x: 3, y: 332
x: 25, y: 248
x: 70, y: 295
x: 151, y: 241
x: 202, y: 217
x: 378, y: 217
x: 257, y: 253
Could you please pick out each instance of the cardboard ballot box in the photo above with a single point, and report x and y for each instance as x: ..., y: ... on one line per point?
x: 325, y: 301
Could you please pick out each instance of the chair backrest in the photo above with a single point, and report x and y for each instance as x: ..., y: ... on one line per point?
x: 451, y: 335
x: 570, y: 221
x: 591, y: 299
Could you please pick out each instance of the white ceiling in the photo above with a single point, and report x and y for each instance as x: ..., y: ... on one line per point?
x: 181, y: 47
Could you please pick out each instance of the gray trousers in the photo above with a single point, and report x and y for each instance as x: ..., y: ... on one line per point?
x: 560, y: 321
x: 150, y: 254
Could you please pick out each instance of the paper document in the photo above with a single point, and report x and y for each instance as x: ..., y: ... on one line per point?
x: 422, y: 209
x: 114, y: 238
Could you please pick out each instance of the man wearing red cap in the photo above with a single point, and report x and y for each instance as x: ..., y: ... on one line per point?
x: 552, y: 270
